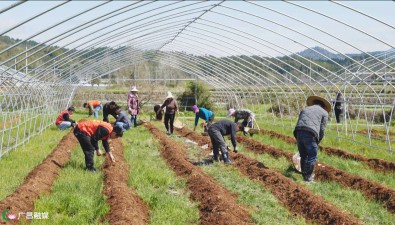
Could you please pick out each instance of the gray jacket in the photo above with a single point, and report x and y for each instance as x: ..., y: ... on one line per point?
x: 312, y: 119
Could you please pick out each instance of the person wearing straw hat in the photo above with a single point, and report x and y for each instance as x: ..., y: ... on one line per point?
x: 133, y: 105
x: 309, y: 131
x: 246, y: 115
x: 171, y: 109
x: 203, y: 113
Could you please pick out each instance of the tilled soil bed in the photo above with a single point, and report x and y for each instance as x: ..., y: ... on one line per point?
x: 39, y: 180
x: 217, y: 204
x: 126, y: 207
x: 295, y: 197
x: 372, y: 190
x: 376, y: 164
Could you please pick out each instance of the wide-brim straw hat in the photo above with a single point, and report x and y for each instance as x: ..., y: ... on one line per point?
x: 327, y: 106
x: 169, y: 95
x: 134, y: 89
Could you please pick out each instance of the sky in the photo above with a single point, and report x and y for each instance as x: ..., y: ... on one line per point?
x: 256, y: 27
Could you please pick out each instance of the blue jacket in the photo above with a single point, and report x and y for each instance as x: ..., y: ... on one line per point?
x: 122, y: 117
x: 204, y: 114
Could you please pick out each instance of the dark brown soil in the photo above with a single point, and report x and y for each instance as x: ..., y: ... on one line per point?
x: 294, y: 196
x: 372, y: 190
x: 126, y: 207
x: 39, y: 180
x: 217, y: 204
x: 379, y: 134
x: 376, y: 164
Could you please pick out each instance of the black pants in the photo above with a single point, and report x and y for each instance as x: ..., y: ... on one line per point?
x: 337, y: 114
x: 171, y: 118
x: 218, y: 142
x: 87, y: 147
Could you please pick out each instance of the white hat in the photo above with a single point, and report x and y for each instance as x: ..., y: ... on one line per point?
x: 230, y: 112
x: 169, y: 95
x: 134, y: 89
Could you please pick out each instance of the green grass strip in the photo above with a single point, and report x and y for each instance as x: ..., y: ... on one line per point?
x: 264, y: 207
x: 350, y: 166
x: 155, y: 182
x: 76, y: 196
x: 370, y: 212
x: 17, y: 164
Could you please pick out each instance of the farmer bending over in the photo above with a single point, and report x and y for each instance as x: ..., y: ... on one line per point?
x: 89, y: 132
x: 217, y: 131
x: 94, y: 107
x: 203, y: 113
x: 246, y: 115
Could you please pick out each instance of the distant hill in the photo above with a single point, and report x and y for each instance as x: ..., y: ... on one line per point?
x: 314, y: 54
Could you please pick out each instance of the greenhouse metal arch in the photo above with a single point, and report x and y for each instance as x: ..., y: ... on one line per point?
x: 268, y: 56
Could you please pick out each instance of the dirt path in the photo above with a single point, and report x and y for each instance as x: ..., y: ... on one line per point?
x: 376, y: 164
x: 295, y: 197
x: 126, y: 207
x: 371, y: 190
x: 39, y: 180
x: 217, y: 204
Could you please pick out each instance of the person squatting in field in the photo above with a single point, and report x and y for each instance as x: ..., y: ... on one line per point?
x: 309, y: 131
x: 123, y: 120
x: 217, y: 131
x: 159, y: 112
x: 133, y: 105
x: 205, y: 114
x: 246, y: 115
x: 64, y: 121
x: 170, y: 112
x: 94, y: 107
x: 109, y: 109
x: 89, y: 132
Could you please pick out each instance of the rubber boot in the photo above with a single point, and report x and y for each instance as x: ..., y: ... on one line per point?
x: 215, y: 157
x: 309, y: 175
x: 225, y: 157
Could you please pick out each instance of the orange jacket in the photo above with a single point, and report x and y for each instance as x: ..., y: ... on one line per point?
x: 94, y: 103
x: 90, y: 126
x: 60, y: 119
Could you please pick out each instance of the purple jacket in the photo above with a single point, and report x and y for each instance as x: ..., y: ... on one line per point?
x: 133, y: 104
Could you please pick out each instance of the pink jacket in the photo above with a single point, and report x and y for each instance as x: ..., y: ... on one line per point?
x: 133, y: 104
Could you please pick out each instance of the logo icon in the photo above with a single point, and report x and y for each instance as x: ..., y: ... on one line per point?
x: 9, y: 216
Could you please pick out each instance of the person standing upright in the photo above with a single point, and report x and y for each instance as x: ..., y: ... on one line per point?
x: 171, y: 109
x: 309, y: 131
x: 338, y: 106
x: 133, y: 105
